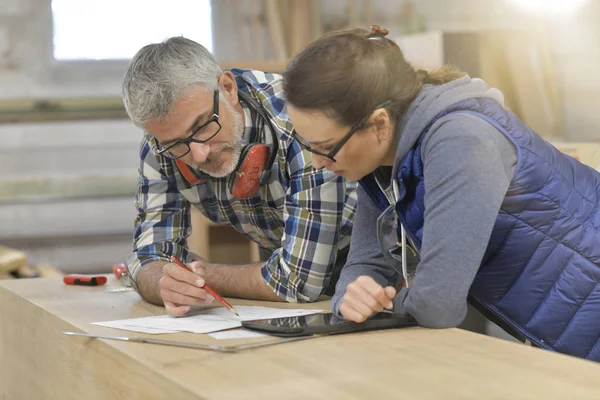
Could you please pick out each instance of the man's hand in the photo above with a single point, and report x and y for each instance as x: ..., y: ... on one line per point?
x: 364, y: 297
x: 180, y: 289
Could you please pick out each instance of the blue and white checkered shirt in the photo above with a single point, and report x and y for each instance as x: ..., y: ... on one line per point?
x: 303, y: 215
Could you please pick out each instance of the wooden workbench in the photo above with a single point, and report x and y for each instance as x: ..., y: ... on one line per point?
x: 414, y: 363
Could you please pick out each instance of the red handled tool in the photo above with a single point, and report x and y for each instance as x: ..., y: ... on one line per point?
x: 84, y: 280
x: 120, y: 271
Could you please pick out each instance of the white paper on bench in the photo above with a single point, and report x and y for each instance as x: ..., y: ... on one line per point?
x: 212, y: 320
x: 119, y: 325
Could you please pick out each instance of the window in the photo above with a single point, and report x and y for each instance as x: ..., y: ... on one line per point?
x: 117, y: 29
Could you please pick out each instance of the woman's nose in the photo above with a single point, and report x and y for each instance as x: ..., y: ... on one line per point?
x: 320, y: 162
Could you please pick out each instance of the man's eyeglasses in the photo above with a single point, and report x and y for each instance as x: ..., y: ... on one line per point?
x: 355, y: 128
x: 203, y: 134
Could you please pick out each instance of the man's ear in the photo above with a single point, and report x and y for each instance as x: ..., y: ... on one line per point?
x: 228, y: 87
x: 381, y: 121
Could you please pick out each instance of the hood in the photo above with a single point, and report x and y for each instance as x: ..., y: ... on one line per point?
x: 432, y: 100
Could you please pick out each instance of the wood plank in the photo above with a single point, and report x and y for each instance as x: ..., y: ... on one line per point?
x: 367, y: 13
x: 219, y: 243
x: 400, y: 364
x: 254, y: 253
x: 275, y: 29
x: 316, y: 22
x: 242, y: 39
x: 299, y: 26
x: 199, y: 240
x: 227, y: 246
x: 518, y: 64
x: 257, y: 34
x: 352, y: 14
x: 27, y: 110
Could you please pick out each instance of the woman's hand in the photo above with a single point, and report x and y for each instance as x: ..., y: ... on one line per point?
x: 364, y: 297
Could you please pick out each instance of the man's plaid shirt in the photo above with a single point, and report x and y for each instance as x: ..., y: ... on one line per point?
x: 303, y: 215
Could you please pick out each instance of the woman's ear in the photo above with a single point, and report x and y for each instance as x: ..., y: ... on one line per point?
x: 228, y: 87
x: 381, y: 121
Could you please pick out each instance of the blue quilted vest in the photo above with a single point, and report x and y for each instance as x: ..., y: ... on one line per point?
x: 540, y: 276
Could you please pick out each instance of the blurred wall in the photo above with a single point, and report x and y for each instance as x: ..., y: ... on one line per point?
x: 573, y: 43
x: 66, y: 188
x: 577, y: 54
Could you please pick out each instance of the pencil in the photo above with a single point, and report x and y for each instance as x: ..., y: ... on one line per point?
x: 210, y: 290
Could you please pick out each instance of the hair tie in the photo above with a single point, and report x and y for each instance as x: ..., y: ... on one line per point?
x: 378, y: 31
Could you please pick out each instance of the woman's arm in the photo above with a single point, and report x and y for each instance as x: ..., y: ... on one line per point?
x: 468, y: 165
x: 364, y: 258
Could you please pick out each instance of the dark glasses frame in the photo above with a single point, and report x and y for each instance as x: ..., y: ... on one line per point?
x: 165, y: 151
x: 355, y: 128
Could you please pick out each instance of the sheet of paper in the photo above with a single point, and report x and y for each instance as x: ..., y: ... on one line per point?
x: 212, y: 320
x: 165, y: 323
x: 118, y: 325
x: 236, y: 334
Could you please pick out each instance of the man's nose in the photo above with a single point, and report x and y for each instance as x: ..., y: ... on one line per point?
x: 199, y: 151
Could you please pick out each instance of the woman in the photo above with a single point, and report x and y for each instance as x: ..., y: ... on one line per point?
x: 491, y: 212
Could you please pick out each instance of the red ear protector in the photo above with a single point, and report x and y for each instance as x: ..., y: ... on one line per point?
x: 254, y: 166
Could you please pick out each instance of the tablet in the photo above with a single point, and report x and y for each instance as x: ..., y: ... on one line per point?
x: 326, y: 324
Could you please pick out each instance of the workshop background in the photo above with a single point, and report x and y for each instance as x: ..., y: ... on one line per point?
x: 69, y: 154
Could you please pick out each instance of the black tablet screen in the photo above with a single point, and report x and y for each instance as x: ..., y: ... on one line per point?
x: 326, y: 323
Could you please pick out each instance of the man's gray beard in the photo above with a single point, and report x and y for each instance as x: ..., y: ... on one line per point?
x: 235, y: 147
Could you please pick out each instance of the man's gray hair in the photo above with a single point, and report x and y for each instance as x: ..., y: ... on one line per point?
x: 160, y: 73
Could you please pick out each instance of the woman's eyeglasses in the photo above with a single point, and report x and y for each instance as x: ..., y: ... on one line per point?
x: 355, y: 128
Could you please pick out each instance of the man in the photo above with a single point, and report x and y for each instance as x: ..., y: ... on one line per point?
x: 197, y: 119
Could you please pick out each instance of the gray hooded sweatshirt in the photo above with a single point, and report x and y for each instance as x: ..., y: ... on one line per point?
x: 468, y: 165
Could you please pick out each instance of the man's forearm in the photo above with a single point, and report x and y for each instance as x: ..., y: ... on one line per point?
x: 147, y: 282
x: 241, y: 281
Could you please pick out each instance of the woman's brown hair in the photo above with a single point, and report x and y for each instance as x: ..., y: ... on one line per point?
x: 348, y: 73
